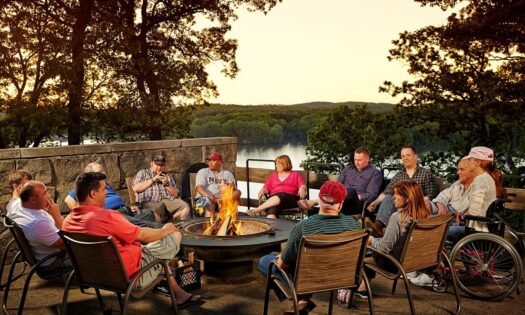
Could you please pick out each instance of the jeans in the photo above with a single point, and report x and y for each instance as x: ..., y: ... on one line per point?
x: 386, y: 208
x: 264, y: 268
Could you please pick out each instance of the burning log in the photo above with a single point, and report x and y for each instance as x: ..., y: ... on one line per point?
x: 223, y: 230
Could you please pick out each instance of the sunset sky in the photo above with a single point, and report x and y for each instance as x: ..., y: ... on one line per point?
x: 320, y: 50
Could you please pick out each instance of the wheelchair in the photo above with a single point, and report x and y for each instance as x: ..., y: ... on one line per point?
x: 489, y: 265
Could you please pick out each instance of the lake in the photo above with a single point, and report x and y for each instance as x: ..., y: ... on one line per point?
x: 296, y: 152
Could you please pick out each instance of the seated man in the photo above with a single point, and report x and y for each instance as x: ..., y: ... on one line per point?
x: 209, y: 181
x: 411, y: 171
x: 16, y: 179
x: 362, y: 183
x: 456, y: 197
x: 140, y: 217
x: 156, y: 190
x: 328, y: 221
x: 40, y: 220
x: 90, y: 218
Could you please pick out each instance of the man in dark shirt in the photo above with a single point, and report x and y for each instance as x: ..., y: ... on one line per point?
x: 362, y: 182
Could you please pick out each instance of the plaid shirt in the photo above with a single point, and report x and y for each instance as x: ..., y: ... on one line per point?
x: 422, y: 176
x: 155, y: 192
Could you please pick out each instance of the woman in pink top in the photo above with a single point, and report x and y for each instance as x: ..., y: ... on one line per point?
x: 284, y: 187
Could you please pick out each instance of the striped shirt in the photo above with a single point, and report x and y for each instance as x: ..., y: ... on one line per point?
x: 155, y: 192
x: 316, y: 224
x: 422, y: 176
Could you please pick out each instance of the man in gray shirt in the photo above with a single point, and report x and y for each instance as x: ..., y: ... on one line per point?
x: 210, y: 181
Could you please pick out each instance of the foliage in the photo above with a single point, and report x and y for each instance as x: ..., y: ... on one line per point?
x: 470, y: 77
x: 345, y: 129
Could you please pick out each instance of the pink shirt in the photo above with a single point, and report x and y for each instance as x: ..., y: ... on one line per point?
x: 289, y: 185
x: 102, y: 222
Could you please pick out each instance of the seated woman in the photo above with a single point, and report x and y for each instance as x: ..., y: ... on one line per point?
x: 284, y: 187
x: 410, y: 203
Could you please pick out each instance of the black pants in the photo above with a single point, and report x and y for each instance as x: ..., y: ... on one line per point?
x: 352, y: 205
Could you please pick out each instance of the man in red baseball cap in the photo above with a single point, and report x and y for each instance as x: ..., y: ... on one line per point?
x: 328, y: 221
x: 209, y: 182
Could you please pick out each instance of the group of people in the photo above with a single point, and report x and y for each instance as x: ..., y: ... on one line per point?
x: 411, y: 195
x: 145, y: 231
x: 142, y: 233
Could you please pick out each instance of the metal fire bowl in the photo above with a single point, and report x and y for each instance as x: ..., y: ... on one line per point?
x: 226, y: 256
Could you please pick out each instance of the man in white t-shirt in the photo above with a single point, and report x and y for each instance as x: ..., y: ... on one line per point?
x: 209, y: 182
x: 40, y: 219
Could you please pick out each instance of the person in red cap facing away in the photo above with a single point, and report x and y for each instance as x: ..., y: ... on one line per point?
x: 328, y: 221
x: 209, y: 182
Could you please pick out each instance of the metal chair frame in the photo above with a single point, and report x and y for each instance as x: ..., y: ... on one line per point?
x: 309, y: 247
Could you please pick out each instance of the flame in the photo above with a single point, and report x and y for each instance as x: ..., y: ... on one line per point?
x: 228, y: 206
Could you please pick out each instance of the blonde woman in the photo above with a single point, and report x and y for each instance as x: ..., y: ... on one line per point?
x: 284, y: 186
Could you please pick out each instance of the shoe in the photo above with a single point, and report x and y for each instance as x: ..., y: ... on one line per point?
x: 192, y: 300
x: 368, y: 223
x: 423, y: 280
x: 303, y: 307
x: 412, y: 275
x: 362, y: 294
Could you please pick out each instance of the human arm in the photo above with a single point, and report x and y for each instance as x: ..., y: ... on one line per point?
x: 54, y: 212
x: 70, y: 202
x: 392, y: 234
x: 170, y: 185
x: 143, y: 181
x: 374, y: 204
x: 148, y: 235
x: 373, y: 187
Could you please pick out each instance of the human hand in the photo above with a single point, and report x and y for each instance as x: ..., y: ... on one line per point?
x: 51, y: 206
x: 134, y: 209
x: 157, y: 178
x: 442, y: 210
x: 170, y: 227
x: 165, y: 181
x: 302, y: 192
x: 372, y: 206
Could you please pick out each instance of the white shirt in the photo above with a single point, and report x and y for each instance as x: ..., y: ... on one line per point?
x: 40, y: 231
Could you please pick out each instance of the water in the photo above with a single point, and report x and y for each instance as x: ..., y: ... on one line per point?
x: 296, y: 152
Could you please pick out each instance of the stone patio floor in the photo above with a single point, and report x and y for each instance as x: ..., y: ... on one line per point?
x: 248, y: 298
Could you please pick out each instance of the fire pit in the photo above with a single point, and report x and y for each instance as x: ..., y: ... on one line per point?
x: 228, y: 244
x: 232, y: 256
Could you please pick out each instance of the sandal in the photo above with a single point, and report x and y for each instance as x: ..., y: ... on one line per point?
x: 255, y: 213
x: 192, y: 300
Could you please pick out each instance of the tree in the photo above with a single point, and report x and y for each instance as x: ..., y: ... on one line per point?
x: 32, y: 56
x: 337, y: 135
x: 469, y: 76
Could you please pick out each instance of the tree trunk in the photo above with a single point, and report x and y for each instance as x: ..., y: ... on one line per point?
x: 77, y: 73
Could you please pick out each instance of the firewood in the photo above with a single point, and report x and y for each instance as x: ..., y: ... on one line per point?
x: 224, y: 226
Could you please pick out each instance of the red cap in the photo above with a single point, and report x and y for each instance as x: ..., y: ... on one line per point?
x: 215, y: 156
x: 332, y: 192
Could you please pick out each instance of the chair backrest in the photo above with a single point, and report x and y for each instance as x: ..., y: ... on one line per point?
x: 330, y: 261
x: 515, y: 199
x: 132, y: 195
x: 187, y: 192
x: 21, y: 241
x: 424, y: 242
x: 96, y: 260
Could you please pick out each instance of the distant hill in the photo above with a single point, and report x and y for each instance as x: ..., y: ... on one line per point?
x: 374, y: 107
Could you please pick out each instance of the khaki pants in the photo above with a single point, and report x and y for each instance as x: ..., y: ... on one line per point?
x: 165, y: 248
x: 176, y: 209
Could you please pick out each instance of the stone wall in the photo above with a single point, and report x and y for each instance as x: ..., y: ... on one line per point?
x: 58, y: 167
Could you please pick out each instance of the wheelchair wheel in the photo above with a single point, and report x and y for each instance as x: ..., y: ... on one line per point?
x: 488, y: 267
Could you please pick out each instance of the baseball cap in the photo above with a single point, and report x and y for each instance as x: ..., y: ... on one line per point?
x: 332, y: 192
x: 215, y: 156
x: 159, y: 159
x: 480, y: 153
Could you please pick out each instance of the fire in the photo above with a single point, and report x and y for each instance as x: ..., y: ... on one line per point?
x: 226, y: 221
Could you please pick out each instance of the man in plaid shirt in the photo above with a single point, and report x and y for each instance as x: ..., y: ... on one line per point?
x: 157, y: 190
x: 411, y: 171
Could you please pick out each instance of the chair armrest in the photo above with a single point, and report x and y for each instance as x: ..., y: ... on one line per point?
x: 279, y: 270
x: 478, y: 218
x: 388, y: 257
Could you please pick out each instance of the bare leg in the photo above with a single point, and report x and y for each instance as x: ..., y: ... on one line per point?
x: 271, y: 216
x: 272, y: 202
x: 209, y: 210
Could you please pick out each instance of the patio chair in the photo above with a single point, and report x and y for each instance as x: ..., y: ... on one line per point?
x: 10, y: 245
x: 25, y: 255
x: 423, y: 249
x: 326, y: 262
x: 98, y: 264
x: 188, y: 191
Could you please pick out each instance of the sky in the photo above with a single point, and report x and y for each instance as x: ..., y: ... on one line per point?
x: 320, y: 50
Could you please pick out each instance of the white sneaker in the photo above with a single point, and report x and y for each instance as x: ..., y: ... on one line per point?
x: 412, y: 275
x: 423, y: 280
